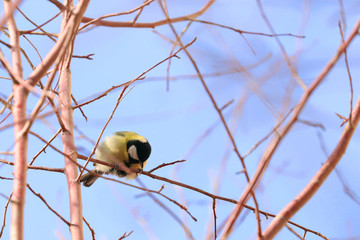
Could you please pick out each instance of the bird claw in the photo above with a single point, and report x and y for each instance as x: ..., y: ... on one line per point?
x: 116, y: 167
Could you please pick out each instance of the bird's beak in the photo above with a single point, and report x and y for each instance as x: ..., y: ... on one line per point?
x: 141, y: 164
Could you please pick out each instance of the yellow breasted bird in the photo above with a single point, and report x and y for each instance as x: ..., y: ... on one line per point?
x: 127, y: 149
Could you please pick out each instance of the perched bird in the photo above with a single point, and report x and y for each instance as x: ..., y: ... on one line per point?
x: 128, y: 151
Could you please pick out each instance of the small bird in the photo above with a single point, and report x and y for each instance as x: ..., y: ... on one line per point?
x: 128, y: 151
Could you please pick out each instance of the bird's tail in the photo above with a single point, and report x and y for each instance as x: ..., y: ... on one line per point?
x: 89, y: 178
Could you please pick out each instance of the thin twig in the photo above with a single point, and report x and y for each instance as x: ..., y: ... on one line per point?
x: 200, y: 191
x: 47, y: 144
x: 76, y: 103
x: 214, y: 213
x: 41, y: 25
x: 293, y: 231
x: 140, y: 77
x: 96, y: 20
x: 348, y: 71
x: 90, y: 228
x: 48, y: 206
x: 247, y: 32
x: 150, y: 24
x: 60, y: 170
x: 169, y: 211
x: 319, y: 178
x: 5, y: 213
x: 282, y: 48
x: 282, y: 132
x: 103, y: 129
x: 207, y: 90
x: 166, y: 164
x: 125, y: 235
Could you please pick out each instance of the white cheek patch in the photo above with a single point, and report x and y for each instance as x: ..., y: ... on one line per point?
x: 133, y: 152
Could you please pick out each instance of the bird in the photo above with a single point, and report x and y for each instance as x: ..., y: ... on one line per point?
x: 128, y: 151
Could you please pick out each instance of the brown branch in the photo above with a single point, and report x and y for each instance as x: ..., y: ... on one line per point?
x: 319, y: 178
x: 24, y: 120
x: 312, y: 124
x: 150, y: 24
x: 213, y: 196
x: 102, y: 94
x: 38, y: 106
x: 282, y: 48
x: 247, y: 32
x: 345, y: 119
x: 60, y: 170
x: 21, y: 50
x: 274, y: 130
x: 48, y: 206
x: 140, y: 11
x: 293, y: 231
x: 65, y: 38
x: 6, y: 117
x: 41, y: 25
x: 174, y: 44
x: 43, y: 32
x: 140, y: 77
x: 166, y: 164
x: 88, y: 57
x: 76, y: 103
x: 125, y: 235
x: 90, y: 228
x: 103, y: 129
x: 6, y: 103
x: 282, y: 132
x: 96, y: 20
x: 4, y: 218
x: 131, y: 185
x: 168, y: 210
x: 214, y: 213
x: 212, y: 74
x: 45, y: 89
x: 192, y: 188
x: 178, y: 204
x: 342, y: 13
x: 217, y: 108
x: 348, y: 71
x: 47, y: 144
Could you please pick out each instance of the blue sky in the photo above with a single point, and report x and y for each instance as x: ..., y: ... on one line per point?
x: 172, y: 120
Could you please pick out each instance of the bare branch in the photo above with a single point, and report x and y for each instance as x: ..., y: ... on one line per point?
x: 282, y: 132
x: 288, y: 211
x: 151, y: 24
x: 5, y: 212
x: 48, y: 206
x: 284, y: 53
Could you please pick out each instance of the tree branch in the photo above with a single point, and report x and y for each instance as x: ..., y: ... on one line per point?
x: 319, y: 178
x: 264, y: 162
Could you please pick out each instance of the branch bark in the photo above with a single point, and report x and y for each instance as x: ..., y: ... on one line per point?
x: 71, y: 19
x: 21, y: 140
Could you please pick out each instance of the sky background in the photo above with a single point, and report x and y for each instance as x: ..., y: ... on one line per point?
x: 173, y: 116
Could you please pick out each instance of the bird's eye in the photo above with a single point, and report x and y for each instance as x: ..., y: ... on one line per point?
x: 133, y: 152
